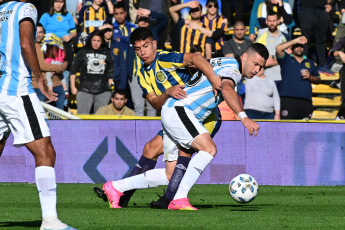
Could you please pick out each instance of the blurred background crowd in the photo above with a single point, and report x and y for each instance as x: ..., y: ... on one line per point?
x: 84, y: 50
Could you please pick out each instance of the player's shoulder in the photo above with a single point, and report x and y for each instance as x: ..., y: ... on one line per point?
x: 168, y: 56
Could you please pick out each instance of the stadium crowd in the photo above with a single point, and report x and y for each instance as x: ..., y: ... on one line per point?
x: 85, y: 51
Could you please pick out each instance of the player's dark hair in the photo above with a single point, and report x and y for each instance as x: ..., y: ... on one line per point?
x: 119, y: 91
x: 140, y: 34
x: 93, y: 34
x: 120, y: 5
x: 51, y: 8
x: 259, y: 49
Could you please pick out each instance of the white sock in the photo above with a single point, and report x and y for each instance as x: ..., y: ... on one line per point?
x: 150, y: 179
x: 195, y: 168
x: 46, y: 186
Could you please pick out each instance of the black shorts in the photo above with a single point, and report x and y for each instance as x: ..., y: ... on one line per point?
x: 295, y: 108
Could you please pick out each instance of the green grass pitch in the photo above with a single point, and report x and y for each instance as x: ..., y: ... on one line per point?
x: 276, y: 207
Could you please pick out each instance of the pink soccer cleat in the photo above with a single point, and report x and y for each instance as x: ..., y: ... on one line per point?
x: 112, y: 194
x: 181, y: 204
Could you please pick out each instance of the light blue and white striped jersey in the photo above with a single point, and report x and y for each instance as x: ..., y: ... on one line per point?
x: 200, y: 96
x: 15, y: 77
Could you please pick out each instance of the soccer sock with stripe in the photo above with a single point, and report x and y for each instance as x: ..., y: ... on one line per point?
x: 195, y: 168
x: 144, y: 164
x: 179, y: 171
x: 150, y: 179
x: 46, y: 186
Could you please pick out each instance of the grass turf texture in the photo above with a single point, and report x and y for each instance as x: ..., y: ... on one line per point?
x: 276, y: 207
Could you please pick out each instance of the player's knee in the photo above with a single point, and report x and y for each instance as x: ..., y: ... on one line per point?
x: 212, y: 149
x: 152, y: 150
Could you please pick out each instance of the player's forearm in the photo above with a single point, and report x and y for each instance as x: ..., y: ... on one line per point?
x: 30, y: 56
x: 231, y: 97
x: 204, y: 66
x: 72, y: 80
x: 157, y: 101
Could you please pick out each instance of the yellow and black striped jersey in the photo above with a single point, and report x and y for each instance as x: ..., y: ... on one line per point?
x: 190, y: 37
x: 165, y: 71
x: 219, y: 22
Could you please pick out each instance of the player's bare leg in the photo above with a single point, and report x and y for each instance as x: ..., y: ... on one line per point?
x: 44, y: 153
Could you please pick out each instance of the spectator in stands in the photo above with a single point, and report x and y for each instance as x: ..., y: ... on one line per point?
x: 72, y: 6
x: 271, y: 38
x: 228, y: 13
x: 298, y: 73
x: 214, y: 26
x: 238, y: 44
x: 60, y: 22
x: 338, y: 51
x: 262, y: 98
x: 117, y: 105
x: 283, y: 9
x: 186, y: 33
x: 314, y: 17
x: 115, y: 49
x: 122, y: 31
x: 253, y: 22
x: 95, y: 65
x: 45, y: 67
x: 92, y: 17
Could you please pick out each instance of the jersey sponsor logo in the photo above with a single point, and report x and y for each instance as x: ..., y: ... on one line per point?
x: 4, y: 16
x: 31, y: 12
x: 161, y: 76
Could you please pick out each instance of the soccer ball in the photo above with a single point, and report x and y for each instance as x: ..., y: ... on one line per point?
x: 243, y: 188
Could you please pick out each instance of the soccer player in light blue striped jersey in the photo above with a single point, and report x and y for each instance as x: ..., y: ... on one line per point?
x: 182, y: 118
x: 20, y: 109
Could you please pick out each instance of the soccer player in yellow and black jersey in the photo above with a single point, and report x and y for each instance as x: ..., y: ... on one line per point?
x: 162, y: 75
x: 189, y: 36
x: 92, y: 17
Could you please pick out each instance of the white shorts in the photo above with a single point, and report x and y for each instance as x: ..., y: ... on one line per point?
x: 181, y: 125
x: 24, y: 116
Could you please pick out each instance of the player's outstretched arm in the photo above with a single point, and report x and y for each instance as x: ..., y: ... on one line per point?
x: 232, y: 99
x: 27, y: 43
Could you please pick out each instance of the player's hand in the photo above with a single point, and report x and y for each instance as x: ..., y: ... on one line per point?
x: 177, y: 92
x: 251, y: 126
x: 216, y: 83
x: 50, y: 95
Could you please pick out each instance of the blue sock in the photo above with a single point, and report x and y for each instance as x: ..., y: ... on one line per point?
x: 144, y: 164
x: 180, y: 169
